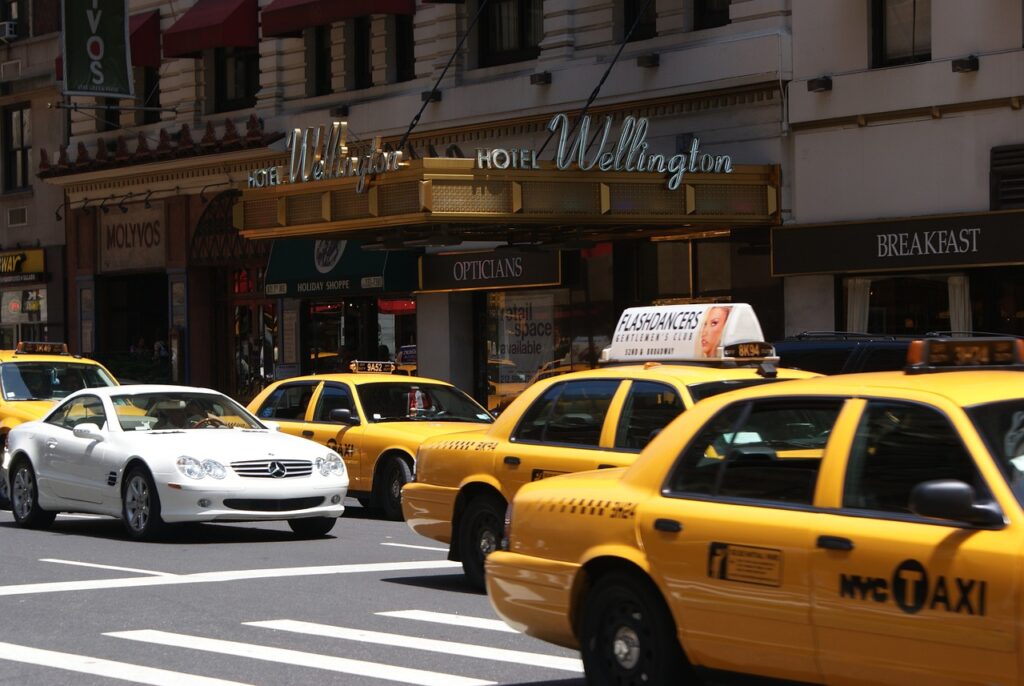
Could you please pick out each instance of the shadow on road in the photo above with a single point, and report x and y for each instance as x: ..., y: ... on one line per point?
x: 455, y: 583
x: 177, y: 534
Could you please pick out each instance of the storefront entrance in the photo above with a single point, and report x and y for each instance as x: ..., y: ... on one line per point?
x: 132, y: 333
x: 358, y: 328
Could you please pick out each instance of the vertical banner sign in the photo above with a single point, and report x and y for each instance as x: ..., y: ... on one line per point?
x: 97, y: 57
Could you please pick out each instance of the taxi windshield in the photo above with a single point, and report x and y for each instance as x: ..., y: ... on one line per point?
x: 176, y: 411
x: 410, y: 402
x: 49, y: 380
x: 1001, y: 425
x: 700, y: 391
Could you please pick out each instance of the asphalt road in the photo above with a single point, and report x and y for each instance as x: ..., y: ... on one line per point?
x: 219, y: 604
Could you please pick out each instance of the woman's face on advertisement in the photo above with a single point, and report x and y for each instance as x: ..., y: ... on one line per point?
x: 711, y: 330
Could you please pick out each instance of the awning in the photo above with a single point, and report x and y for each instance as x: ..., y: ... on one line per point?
x: 143, y: 37
x: 290, y: 17
x: 213, y: 24
x: 306, y: 268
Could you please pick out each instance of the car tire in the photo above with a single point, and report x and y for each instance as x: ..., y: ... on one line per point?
x: 480, y: 531
x: 140, y: 506
x: 312, y: 527
x: 627, y: 635
x: 396, y: 474
x: 25, y: 498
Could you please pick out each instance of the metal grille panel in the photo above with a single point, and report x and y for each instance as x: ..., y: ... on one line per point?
x: 260, y: 469
x: 348, y: 204
x: 561, y: 198
x: 268, y: 505
x: 729, y: 199
x: 400, y: 198
x: 490, y: 197
x: 646, y: 198
x: 260, y: 214
x: 304, y: 209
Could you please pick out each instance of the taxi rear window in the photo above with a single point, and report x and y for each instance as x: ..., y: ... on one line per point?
x: 1001, y: 426
x: 700, y: 391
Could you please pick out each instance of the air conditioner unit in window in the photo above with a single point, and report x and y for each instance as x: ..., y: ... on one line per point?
x: 8, y: 30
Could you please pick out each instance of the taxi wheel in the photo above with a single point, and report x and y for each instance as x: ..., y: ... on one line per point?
x: 480, y: 532
x: 627, y: 635
x: 25, y: 499
x: 396, y: 475
x: 140, y: 506
x: 312, y: 527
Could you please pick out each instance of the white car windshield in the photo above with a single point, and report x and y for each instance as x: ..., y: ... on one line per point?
x: 48, y: 380
x: 180, y: 411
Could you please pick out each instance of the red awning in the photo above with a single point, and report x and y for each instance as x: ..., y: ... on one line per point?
x: 143, y: 37
x: 289, y: 17
x: 213, y: 24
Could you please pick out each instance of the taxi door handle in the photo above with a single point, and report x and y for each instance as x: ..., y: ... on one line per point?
x: 307, y: 433
x: 669, y: 525
x: 512, y: 460
x: 835, y: 543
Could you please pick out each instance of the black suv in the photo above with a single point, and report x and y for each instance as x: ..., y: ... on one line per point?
x: 839, y: 352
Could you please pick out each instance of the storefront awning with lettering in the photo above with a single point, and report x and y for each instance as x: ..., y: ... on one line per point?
x: 144, y: 38
x: 290, y: 17
x: 213, y: 24
x: 303, y: 268
x: 932, y: 242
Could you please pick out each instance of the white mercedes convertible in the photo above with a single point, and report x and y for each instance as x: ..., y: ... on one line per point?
x: 154, y: 455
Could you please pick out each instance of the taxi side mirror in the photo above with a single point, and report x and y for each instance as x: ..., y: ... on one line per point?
x: 953, y: 500
x: 343, y: 416
x: 89, y: 431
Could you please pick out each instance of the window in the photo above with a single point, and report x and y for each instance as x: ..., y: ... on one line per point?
x: 333, y: 397
x: 362, y: 57
x: 236, y: 78
x: 901, y: 32
x: 405, y: 52
x: 147, y: 94
x: 644, y: 10
x: 648, y: 409
x: 17, y: 133
x: 288, y: 402
x: 318, y: 61
x: 571, y: 412
x: 896, y: 447
x: 510, y: 31
x: 707, y: 14
x: 763, y: 450
x: 81, y: 410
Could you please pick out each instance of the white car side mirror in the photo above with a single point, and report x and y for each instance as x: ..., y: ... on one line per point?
x: 273, y: 426
x: 90, y: 431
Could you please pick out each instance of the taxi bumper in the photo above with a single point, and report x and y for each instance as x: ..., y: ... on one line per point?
x: 428, y: 510
x: 533, y: 595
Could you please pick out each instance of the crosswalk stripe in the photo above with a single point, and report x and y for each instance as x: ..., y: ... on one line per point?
x: 454, y: 620
x: 106, y: 668
x: 99, y: 566
x: 448, y: 647
x: 299, y: 658
x: 416, y: 547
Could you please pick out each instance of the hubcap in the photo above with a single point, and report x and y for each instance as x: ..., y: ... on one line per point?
x: 136, y: 503
x: 626, y: 647
x: 396, y: 487
x: 488, y: 542
x: 22, y: 497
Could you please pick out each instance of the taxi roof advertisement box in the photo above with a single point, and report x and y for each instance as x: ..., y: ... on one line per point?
x: 682, y: 332
x: 96, y: 48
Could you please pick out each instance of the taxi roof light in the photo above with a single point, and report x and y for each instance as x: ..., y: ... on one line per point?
x: 372, y: 367
x: 41, y: 348
x: 949, y: 354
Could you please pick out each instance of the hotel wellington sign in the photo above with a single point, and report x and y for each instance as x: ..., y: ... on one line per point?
x: 318, y: 154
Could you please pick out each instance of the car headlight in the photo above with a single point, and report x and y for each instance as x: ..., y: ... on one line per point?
x: 330, y: 465
x: 194, y: 469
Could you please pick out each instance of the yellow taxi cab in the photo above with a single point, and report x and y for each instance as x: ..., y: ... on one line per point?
x: 374, y: 418
x: 863, y: 529
x: 583, y: 420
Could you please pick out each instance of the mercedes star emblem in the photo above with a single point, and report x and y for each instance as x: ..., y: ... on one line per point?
x: 276, y: 469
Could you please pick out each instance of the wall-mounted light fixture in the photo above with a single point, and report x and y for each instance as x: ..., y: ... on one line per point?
x: 541, y: 78
x: 820, y: 84
x: 963, y: 65
x: 121, y: 206
x: 648, y: 61
x: 103, y: 205
x: 145, y: 201
x: 431, y: 96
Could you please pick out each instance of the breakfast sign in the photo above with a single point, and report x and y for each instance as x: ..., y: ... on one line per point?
x: 320, y: 153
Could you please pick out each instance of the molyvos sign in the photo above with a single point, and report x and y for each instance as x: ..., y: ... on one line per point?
x: 132, y: 240
x: 486, y: 270
x: 926, y: 242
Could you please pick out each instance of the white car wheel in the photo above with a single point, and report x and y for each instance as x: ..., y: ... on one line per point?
x: 141, y: 510
x: 25, y: 498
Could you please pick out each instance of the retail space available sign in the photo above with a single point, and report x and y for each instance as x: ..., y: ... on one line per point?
x: 133, y: 240
x: 97, y: 59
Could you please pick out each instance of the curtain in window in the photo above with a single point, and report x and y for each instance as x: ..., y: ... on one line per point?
x: 960, y: 318
x: 858, y: 297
